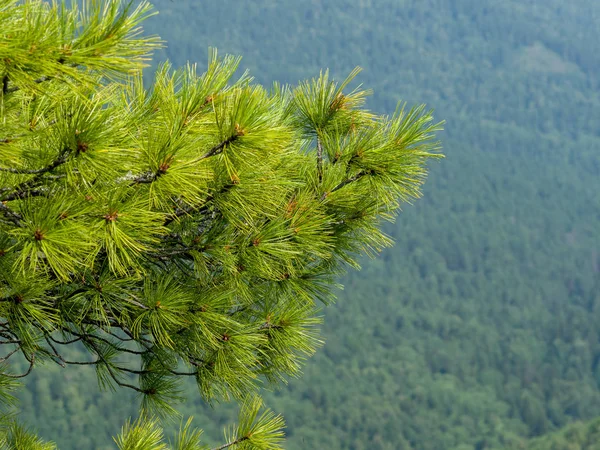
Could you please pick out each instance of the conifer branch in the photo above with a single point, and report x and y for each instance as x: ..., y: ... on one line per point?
x: 12, y: 89
x: 109, y: 368
x: 24, y: 194
x: 229, y: 444
x: 30, y: 171
x: 31, y: 362
x: 10, y: 214
x: 24, y: 189
x: 5, y: 358
x: 219, y: 147
x: 320, y: 160
x: 346, y: 182
x: 56, y: 354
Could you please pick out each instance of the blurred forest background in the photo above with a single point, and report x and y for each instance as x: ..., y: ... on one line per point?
x: 480, y: 328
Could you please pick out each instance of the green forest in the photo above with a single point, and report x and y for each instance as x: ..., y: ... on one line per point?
x: 479, y: 328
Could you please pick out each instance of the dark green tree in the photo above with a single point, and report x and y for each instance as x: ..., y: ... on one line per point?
x: 191, y: 229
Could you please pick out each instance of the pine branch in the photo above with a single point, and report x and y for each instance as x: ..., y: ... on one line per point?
x: 21, y: 191
x: 320, y: 160
x: 57, y: 355
x: 219, y: 148
x: 31, y: 362
x: 28, y: 171
x: 10, y: 214
x: 110, y: 370
x: 5, y: 358
x: 346, y: 182
x: 24, y: 194
x: 229, y: 444
x: 9, y: 90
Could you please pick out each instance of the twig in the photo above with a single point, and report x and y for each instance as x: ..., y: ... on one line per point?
x: 219, y: 148
x: 356, y: 177
x: 10, y: 354
x: 229, y: 444
x: 9, y: 90
x: 10, y: 214
x: 320, y: 160
x: 31, y: 361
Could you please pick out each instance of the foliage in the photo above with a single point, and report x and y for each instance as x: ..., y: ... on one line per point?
x: 188, y: 230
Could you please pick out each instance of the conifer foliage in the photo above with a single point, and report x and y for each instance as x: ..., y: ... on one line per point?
x: 187, y: 230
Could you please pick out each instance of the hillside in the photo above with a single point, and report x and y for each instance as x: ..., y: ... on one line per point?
x: 479, y: 329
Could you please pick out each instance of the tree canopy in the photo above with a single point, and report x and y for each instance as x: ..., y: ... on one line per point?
x: 187, y: 230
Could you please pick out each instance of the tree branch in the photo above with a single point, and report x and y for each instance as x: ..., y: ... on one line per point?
x: 151, y: 176
x: 9, y: 90
x: 229, y: 444
x: 346, y: 182
x: 5, y: 358
x: 31, y: 361
x: 10, y: 214
x: 319, y: 160
x: 219, y: 148
x: 22, y: 190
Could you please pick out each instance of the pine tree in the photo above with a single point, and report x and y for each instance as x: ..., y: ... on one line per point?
x: 188, y: 230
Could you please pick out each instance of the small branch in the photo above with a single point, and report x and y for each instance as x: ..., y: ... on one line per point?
x: 219, y: 148
x: 72, y: 341
x: 9, y: 90
x: 229, y: 444
x: 10, y: 214
x: 61, y: 361
x: 320, y: 160
x: 270, y: 326
x: 23, y: 194
x: 9, y: 355
x: 110, y: 370
x: 145, y: 178
x: 150, y: 176
x: 86, y: 338
x: 24, y: 171
x: 21, y: 190
x: 356, y: 177
x: 83, y: 363
x: 179, y: 212
x: 31, y: 361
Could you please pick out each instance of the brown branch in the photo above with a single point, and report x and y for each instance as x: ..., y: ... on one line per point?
x: 179, y: 212
x: 72, y: 341
x: 151, y: 176
x: 229, y: 444
x: 346, y: 182
x: 58, y: 356
x: 319, y: 160
x: 10, y: 214
x: 22, y: 190
x: 114, y: 345
x: 110, y: 370
x: 219, y: 148
x: 31, y: 361
x: 5, y: 358
x: 9, y: 90
x: 23, y: 194
x: 25, y: 171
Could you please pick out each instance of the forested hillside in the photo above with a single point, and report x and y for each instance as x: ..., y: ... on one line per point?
x: 479, y: 329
